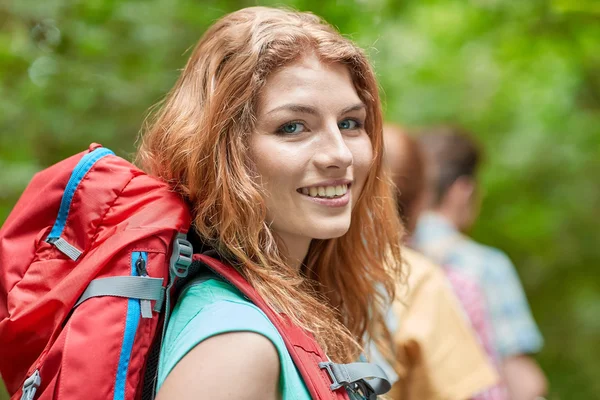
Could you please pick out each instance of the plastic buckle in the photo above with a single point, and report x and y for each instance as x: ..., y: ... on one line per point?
x: 181, y: 258
x: 31, y: 385
x: 327, y: 365
x: 367, y: 391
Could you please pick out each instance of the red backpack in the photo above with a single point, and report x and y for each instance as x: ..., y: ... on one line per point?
x: 89, y: 258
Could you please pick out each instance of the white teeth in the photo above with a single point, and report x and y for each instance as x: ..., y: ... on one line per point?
x: 325, y: 191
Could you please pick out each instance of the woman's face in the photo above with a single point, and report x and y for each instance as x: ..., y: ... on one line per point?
x: 311, y: 150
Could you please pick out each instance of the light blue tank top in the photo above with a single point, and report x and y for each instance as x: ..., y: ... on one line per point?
x: 215, y: 307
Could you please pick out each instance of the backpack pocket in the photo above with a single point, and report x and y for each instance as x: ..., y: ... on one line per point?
x: 102, y: 350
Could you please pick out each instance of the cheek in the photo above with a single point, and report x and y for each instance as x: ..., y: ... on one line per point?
x: 277, y: 170
x: 362, y: 153
x: 265, y: 158
x: 276, y: 166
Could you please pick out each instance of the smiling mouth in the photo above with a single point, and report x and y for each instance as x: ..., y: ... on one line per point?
x: 325, y: 192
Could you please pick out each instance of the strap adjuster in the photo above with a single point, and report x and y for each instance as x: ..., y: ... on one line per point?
x: 368, y: 379
x: 328, y: 366
x: 181, y: 258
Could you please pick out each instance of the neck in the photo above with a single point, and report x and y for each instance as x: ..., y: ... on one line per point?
x: 296, y: 248
x: 448, y: 214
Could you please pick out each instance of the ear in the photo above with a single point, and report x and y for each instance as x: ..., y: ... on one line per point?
x: 465, y: 187
x: 459, y: 194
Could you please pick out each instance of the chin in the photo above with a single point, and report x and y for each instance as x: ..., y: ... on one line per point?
x: 331, y: 232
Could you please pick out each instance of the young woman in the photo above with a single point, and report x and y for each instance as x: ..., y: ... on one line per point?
x: 273, y: 133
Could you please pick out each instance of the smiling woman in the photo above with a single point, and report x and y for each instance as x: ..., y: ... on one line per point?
x: 273, y: 134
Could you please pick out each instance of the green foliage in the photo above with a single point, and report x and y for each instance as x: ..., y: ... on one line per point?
x: 524, y: 76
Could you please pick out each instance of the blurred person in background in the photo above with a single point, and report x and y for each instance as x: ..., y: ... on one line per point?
x: 437, y: 352
x: 453, y: 158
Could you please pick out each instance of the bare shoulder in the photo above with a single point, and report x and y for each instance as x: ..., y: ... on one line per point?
x: 238, y: 365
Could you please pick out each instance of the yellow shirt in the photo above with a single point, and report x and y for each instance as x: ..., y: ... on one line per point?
x: 439, y: 355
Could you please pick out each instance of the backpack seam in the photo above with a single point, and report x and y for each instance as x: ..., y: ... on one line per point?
x: 112, y: 203
x: 63, y: 356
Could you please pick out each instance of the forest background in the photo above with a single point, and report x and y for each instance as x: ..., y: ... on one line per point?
x: 523, y: 75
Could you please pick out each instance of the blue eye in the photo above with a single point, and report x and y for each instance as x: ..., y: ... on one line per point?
x: 348, y: 124
x: 291, y: 128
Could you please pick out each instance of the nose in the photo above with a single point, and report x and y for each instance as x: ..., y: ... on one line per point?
x: 332, y: 150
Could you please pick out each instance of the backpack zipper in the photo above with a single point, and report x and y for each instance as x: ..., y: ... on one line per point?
x: 132, y: 321
x: 145, y: 305
x: 32, y: 383
x: 81, y: 169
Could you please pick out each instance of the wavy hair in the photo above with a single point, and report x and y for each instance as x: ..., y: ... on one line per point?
x: 197, y: 141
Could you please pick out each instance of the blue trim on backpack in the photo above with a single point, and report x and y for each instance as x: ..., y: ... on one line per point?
x: 131, y: 324
x: 81, y: 169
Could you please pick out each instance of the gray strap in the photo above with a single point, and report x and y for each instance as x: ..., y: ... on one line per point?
x: 146, y: 308
x: 134, y: 287
x: 369, y: 377
x: 159, y: 303
x: 66, y: 248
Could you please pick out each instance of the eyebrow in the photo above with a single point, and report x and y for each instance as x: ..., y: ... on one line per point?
x: 312, y: 110
x: 356, y: 107
x: 296, y: 108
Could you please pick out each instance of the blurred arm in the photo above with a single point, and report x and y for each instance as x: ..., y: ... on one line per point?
x: 517, y: 334
x: 524, y: 378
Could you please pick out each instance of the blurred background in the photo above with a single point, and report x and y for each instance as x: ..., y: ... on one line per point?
x: 523, y: 75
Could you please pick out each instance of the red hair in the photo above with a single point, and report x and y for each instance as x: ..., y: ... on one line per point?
x: 197, y: 141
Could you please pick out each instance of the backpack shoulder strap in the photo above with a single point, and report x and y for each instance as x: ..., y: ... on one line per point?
x: 323, y: 378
